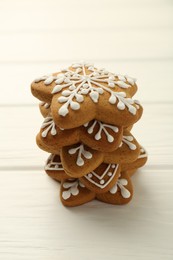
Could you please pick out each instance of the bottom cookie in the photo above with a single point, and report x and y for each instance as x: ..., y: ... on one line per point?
x: 108, y: 183
x: 74, y: 193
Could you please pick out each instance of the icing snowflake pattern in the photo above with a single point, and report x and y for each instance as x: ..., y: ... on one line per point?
x: 81, y: 152
x: 120, y: 184
x: 48, y: 125
x: 73, y: 85
x: 127, y: 139
x: 72, y: 188
x: 102, y: 128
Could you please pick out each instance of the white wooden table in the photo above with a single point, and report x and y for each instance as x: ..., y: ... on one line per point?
x: 38, y: 37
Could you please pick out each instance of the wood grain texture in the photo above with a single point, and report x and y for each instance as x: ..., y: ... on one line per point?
x: 103, y: 15
x: 34, y: 224
x: 140, y: 45
x: 128, y: 37
x: 58, y: 30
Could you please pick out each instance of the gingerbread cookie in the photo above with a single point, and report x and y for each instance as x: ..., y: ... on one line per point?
x: 77, y: 161
x: 106, y: 183
x: 95, y: 134
x: 85, y: 90
x: 74, y: 193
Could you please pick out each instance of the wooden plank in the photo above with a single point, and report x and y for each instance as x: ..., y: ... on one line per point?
x: 34, y: 224
x: 19, y: 126
x: 56, y: 15
x: 43, y: 46
x: 154, y: 78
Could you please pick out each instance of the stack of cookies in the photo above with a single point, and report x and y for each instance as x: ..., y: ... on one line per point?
x: 88, y: 115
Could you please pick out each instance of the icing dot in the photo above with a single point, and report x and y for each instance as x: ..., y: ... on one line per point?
x: 109, y: 174
x: 102, y: 182
x: 85, y: 85
x: 113, y: 166
x: 90, y: 175
x: 111, y: 84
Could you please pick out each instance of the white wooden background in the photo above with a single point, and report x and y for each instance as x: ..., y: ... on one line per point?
x: 38, y: 37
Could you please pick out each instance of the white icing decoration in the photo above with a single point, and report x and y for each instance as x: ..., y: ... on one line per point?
x: 52, y: 165
x: 81, y: 151
x: 131, y: 80
x: 74, y: 84
x: 102, y: 184
x: 143, y: 153
x: 46, y: 105
x: 120, y: 184
x: 102, y: 127
x: 128, y: 140
x: 49, y: 124
x: 90, y: 175
x: 48, y: 79
x: 137, y: 103
x: 72, y: 188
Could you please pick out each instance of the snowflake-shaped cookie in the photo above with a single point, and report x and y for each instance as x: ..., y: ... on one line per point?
x: 80, y: 159
x: 74, y: 192
x: 84, y: 85
x: 95, y: 134
x: 74, y: 85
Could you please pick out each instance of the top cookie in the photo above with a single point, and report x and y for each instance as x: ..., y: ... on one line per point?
x: 82, y: 93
